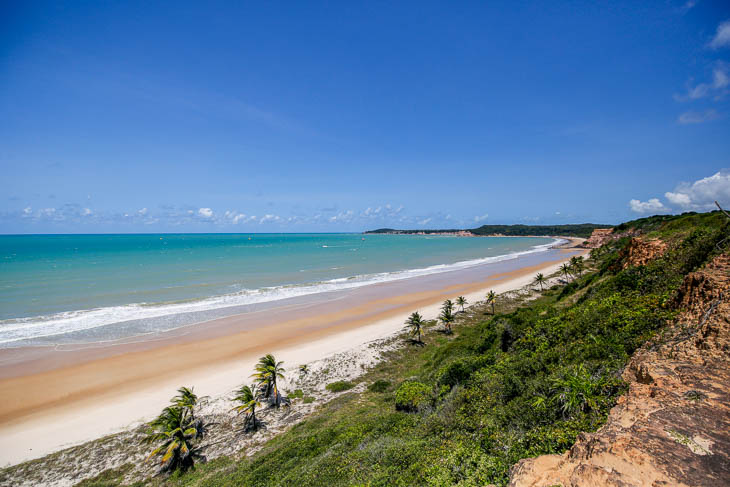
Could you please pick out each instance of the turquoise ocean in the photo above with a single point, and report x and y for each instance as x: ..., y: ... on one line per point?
x: 59, y: 289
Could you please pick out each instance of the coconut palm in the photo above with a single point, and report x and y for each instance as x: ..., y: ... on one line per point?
x: 268, y: 371
x: 540, y: 279
x: 461, y: 301
x: 175, y: 431
x: 491, y: 299
x: 576, y: 263
x: 565, y: 269
x: 447, y: 318
x: 187, y: 400
x: 249, y: 402
x: 448, y: 306
x: 415, y: 321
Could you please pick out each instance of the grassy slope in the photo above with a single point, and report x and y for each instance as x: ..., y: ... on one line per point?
x: 522, y: 383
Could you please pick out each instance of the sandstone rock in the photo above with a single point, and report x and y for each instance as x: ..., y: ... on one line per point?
x: 641, y: 252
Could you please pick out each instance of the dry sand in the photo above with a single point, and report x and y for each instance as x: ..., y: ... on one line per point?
x: 57, y: 398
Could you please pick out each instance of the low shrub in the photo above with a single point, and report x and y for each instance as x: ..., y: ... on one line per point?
x: 379, y: 385
x: 412, y: 395
x: 339, y: 386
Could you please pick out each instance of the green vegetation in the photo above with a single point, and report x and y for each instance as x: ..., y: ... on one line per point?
x: 411, y: 396
x: 415, y: 322
x: 540, y: 280
x: 505, y: 386
x: 297, y: 394
x: 461, y: 301
x: 379, y: 385
x: 339, y: 386
x: 268, y: 371
x: 175, y: 432
x: 583, y: 230
x: 491, y: 299
x: 249, y: 402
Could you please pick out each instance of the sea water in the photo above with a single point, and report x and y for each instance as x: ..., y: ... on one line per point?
x: 57, y: 289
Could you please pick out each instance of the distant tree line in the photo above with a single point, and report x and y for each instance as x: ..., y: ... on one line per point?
x: 573, y: 230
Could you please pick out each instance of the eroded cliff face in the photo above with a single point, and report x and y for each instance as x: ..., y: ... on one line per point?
x: 599, y: 237
x: 640, y: 251
x: 672, y: 428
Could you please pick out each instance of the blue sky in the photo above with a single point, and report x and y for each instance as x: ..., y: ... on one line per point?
x: 345, y: 116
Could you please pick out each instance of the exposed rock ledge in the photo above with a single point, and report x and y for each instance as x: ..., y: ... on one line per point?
x: 673, y: 426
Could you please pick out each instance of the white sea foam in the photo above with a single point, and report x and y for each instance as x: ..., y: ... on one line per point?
x: 25, y: 329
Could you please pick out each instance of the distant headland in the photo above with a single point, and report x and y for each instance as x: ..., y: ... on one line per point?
x: 583, y: 230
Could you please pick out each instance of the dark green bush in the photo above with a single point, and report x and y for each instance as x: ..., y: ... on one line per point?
x: 379, y: 385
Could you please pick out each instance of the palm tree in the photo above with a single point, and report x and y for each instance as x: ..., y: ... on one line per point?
x: 448, y: 306
x: 415, y: 321
x: 176, y: 431
x: 187, y: 400
x: 447, y: 318
x: 249, y: 403
x: 565, y: 268
x: 461, y: 301
x: 576, y: 263
x: 491, y: 298
x: 540, y: 279
x: 268, y: 370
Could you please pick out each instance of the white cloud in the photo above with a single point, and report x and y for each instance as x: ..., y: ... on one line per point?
x: 653, y: 205
x: 236, y: 217
x: 27, y: 211
x: 269, y: 218
x: 86, y: 212
x: 702, y: 194
x: 425, y: 221
x: 692, y: 117
x: 722, y: 36
x: 205, y: 212
x: 143, y: 211
x: 680, y: 199
x: 477, y: 219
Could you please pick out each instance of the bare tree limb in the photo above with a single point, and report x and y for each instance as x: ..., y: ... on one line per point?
x: 726, y: 213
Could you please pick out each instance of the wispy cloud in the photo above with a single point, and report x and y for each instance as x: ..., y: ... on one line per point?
x: 722, y: 36
x: 717, y: 88
x: 688, y: 5
x: 479, y: 218
x: 693, y: 117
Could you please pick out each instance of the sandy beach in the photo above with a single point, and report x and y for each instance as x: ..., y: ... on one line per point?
x: 61, y: 396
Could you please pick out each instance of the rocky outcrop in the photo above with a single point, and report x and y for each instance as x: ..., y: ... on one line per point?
x: 599, y: 237
x: 641, y: 252
x: 672, y: 428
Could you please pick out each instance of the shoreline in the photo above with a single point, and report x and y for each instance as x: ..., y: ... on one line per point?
x: 66, y: 397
